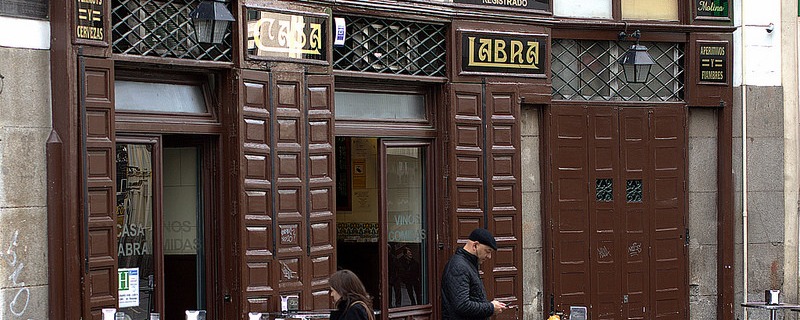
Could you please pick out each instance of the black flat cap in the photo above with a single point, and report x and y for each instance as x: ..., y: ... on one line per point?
x: 483, y: 236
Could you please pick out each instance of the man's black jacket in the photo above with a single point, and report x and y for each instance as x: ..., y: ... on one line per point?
x: 463, y: 296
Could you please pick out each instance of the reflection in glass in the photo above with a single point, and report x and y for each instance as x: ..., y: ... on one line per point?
x: 406, y: 227
x: 134, y: 218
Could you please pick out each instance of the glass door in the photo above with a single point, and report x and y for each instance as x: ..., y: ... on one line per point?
x: 161, y: 219
x: 382, y: 217
x: 405, y: 213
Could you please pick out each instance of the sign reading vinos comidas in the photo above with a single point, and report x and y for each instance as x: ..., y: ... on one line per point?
x: 280, y: 35
x: 712, y: 8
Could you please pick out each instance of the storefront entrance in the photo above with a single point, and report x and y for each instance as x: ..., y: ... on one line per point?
x: 616, y: 211
x: 383, y: 217
x: 163, y: 217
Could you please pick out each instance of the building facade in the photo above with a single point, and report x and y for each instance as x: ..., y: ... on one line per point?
x: 374, y: 136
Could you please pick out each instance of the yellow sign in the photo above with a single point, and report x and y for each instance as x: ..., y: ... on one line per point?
x: 89, y: 24
x: 515, y: 54
x: 271, y: 34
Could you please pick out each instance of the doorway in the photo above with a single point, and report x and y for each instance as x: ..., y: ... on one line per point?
x: 616, y: 211
x: 164, y: 214
x: 383, y: 217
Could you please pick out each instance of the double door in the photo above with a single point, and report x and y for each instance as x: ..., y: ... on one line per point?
x: 616, y: 211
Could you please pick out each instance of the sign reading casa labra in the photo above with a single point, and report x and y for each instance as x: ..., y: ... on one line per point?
x: 503, y: 53
x: 272, y: 34
x: 712, y: 64
x: 515, y: 4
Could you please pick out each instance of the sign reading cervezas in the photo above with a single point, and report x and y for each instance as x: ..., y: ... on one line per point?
x: 272, y: 34
x: 89, y: 24
x: 712, y: 64
x: 503, y: 53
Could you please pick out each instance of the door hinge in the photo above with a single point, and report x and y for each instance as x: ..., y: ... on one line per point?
x: 687, y: 236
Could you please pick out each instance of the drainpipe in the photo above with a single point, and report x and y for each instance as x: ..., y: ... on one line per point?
x: 744, y: 161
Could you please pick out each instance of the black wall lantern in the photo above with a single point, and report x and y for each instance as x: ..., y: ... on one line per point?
x: 636, y: 62
x: 211, y: 20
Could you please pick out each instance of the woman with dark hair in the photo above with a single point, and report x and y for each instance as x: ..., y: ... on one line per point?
x: 350, y: 297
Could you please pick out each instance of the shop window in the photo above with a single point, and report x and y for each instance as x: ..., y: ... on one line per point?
x: 589, y: 70
x: 162, y: 28
x: 160, y: 229
x: 600, y: 9
x: 379, y: 106
x: 383, y: 234
x: 159, y: 97
x: 650, y: 10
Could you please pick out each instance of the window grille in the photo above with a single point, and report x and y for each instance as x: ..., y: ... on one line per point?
x: 588, y: 70
x: 162, y: 28
x: 392, y: 46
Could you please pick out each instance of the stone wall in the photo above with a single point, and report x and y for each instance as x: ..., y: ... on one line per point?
x: 532, y: 232
x: 25, y: 124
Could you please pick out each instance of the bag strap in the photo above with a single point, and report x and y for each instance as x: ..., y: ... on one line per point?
x: 369, y: 312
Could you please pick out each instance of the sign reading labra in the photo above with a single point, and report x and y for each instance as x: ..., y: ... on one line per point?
x: 89, y: 22
x: 712, y: 64
x: 503, y: 53
x: 524, y: 4
x: 712, y: 8
x: 272, y: 34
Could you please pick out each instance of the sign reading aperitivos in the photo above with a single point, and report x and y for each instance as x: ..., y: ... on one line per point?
x: 712, y: 64
x: 523, y: 4
x: 503, y: 53
x: 712, y: 8
x: 272, y: 34
x: 89, y: 22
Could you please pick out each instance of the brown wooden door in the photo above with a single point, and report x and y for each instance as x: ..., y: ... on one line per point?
x: 617, y: 211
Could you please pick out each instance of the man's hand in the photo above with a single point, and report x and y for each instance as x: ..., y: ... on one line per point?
x: 498, y: 306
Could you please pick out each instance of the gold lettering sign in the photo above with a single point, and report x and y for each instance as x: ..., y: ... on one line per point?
x: 89, y: 23
x: 712, y: 64
x: 503, y: 53
x: 271, y: 34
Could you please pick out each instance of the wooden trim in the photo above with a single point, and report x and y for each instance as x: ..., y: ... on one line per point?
x: 390, y: 77
x: 171, y: 61
x: 726, y: 215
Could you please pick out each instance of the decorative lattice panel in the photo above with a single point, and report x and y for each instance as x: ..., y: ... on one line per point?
x: 588, y: 70
x: 162, y: 28
x: 392, y: 46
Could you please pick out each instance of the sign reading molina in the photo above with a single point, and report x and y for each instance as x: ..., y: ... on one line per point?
x: 503, y: 53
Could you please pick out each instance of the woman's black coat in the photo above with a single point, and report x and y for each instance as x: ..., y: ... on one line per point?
x: 356, y: 311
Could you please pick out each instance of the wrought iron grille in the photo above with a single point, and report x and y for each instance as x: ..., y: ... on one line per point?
x: 588, y: 70
x: 162, y: 28
x: 392, y: 46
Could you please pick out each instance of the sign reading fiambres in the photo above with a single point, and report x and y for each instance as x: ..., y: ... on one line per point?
x: 272, y: 34
x: 503, y: 53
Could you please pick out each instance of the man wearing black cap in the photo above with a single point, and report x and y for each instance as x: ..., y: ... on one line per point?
x: 463, y: 295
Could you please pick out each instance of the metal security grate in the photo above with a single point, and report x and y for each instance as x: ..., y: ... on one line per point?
x: 162, y: 28
x: 392, y: 46
x: 588, y: 70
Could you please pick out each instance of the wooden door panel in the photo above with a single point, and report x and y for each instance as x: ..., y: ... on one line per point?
x: 504, y: 197
x: 668, y: 260
x: 466, y: 146
x: 570, y: 223
x: 605, y: 225
x: 635, y: 242
x: 256, y: 225
x: 631, y: 217
x: 289, y: 123
x: 99, y: 238
x: 322, y: 228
